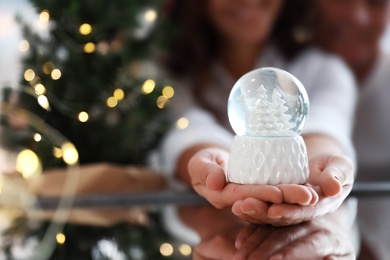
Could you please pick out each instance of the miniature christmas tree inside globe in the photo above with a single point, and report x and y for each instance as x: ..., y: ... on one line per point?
x: 268, y: 102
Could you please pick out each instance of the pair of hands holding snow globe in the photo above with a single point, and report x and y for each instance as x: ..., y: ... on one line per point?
x: 271, y: 175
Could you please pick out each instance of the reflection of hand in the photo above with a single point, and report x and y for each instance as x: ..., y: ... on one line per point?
x: 330, y: 176
x: 316, y: 239
x: 219, y: 246
x: 207, y: 171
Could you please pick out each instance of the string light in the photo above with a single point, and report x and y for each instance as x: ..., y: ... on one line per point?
x: 60, y: 237
x: 148, y: 86
x: 185, y: 249
x: 150, y: 15
x: 112, y: 102
x: 44, y: 17
x: 119, y: 94
x: 47, y: 67
x: 27, y: 163
x: 37, y: 137
x: 182, y: 123
x: 69, y: 153
x: 85, y: 29
x: 40, y: 89
x: 162, y: 102
x: 43, y: 102
x: 83, y: 116
x: 57, y: 152
x: 168, y: 92
x: 56, y: 74
x: 29, y: 75
x: 89, y: 47
x: 166, y: 249
x: 24, y: 46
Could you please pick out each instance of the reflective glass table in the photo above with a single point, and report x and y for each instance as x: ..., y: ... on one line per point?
x: 171, y: 224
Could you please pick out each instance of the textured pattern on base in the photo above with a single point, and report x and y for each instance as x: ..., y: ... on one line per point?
x: 262, y: 160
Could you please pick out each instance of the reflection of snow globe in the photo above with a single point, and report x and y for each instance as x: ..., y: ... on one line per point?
x: 267, y: 109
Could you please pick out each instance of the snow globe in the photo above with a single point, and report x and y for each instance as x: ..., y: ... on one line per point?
x: 267, y: 109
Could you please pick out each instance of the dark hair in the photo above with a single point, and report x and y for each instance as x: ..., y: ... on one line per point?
x: 196, y: 42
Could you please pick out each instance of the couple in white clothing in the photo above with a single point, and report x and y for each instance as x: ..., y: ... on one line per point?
x: 225, y: 39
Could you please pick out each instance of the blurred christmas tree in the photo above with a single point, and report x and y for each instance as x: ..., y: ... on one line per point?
x: 92, y: 68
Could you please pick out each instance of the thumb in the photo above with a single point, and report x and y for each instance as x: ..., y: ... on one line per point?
x: 338, y: 172
x: 206, y: 169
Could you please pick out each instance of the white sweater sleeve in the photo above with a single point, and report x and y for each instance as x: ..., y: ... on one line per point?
x: 202, y: 128
x: 332, y: 95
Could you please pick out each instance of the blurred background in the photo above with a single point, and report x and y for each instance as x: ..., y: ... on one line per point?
x: 85, y: 75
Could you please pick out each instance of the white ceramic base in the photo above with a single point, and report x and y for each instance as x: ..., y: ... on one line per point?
x: 261, y: 160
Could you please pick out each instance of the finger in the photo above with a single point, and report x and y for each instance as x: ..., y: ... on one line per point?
x: 252, y: 207
x: 339, y: 172
x: 351, y: 256
x: 204, y: 170
x: 267, y: 193
x: 236, y: 209
x: 296, y: 213
x: 316, y: 245
x: 215, y: 248
x: 290, y: 213
x: 296, y: 194
x: 215, y: 179
x: 281, y: 237
x: 244, y: 233
x: 252, y: 242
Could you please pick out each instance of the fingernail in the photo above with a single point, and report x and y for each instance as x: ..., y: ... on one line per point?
x: 275, y: 217
x: 250, y: 212
x: 276, y: 257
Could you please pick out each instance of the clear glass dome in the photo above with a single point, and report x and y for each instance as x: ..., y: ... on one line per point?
x: 268, y: 102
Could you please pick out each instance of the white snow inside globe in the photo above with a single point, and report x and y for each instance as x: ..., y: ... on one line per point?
x: 268, y: 102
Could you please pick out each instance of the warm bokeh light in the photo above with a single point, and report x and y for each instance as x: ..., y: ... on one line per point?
x: 27, y: 163
x: 148, y: 86
x: 168, y: 92
x: 162, y: 102
x: 43, y: 102
x: 166, y: 249
x: 83, y: 116
x: 150, y: 15
x: 56, y: 74
x: 185, y: 249
x: 23, y: 46
x: 119, y: 94
x: 57, y: 152
x: 29, y: 75
x: 69, y: 153
x: 60, y: 237
x: 40, y: 89
x: 112, y: 102
x: 182, y: 123
x: 85, y: 29
x: 44, y: 16
x: 89, y: 47
x: 37, y: 137
x: 47, y: 67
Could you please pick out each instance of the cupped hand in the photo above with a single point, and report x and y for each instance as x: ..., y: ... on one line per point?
x: 207, y: 170
x: 330, y: 182
x: 316, y: 239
